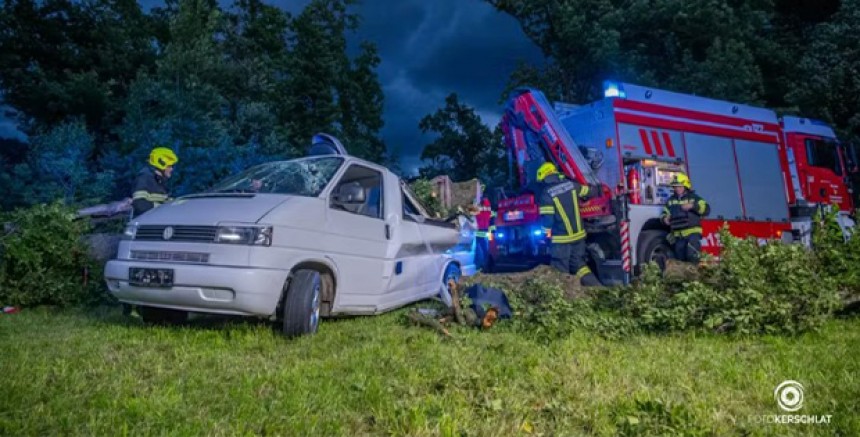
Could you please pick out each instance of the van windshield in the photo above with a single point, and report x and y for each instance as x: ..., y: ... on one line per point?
x: 300, y: 177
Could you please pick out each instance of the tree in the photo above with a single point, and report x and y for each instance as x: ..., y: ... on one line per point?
x: 327, y: 91
x: 62, y: 59
x: 709, y: 48
x: 829, y: 84
x: 465, y: 148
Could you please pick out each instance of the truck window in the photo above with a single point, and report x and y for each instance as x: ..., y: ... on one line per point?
x: 365, y: 180
x: 820, y: 153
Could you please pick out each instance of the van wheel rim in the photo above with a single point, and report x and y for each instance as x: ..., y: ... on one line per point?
x: 315, y: 309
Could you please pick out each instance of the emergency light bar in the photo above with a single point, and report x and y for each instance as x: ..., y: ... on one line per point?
x: 612, y: 89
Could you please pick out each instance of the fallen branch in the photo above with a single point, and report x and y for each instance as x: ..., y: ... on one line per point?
x: 420, y: 319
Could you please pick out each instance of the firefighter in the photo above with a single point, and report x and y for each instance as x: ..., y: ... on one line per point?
x: 149, y: 187
x: 485, y: 220
x: 683, y: 214
x: 559, y: 210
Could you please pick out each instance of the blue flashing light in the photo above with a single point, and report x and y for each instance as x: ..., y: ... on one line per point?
x: 612, y: 89
x: 500, y: 235
x: 537, y: 232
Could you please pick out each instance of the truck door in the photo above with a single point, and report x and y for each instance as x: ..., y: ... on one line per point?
x: 823, y: 175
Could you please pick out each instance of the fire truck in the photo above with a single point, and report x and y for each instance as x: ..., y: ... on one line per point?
x: 764, y: 176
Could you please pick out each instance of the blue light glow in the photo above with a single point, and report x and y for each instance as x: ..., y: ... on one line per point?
x: 538, y: 232
x: 612, y: 89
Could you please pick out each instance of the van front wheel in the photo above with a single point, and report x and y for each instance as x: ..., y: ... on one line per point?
x: 301, y: 309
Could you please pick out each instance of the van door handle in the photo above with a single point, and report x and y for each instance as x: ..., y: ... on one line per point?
x: 387, y: 232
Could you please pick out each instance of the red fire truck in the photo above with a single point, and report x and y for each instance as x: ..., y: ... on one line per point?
x: 763, y: 175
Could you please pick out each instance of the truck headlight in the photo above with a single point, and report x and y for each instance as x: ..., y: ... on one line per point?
x: 130, y: 231
x: 251, y: 235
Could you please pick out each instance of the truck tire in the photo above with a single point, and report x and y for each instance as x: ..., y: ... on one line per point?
x: 452, y: 271
x: 162, y: 316
x: 653, y: 247
x: 301, y: 309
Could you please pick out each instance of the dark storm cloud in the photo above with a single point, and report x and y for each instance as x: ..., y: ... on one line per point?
x: 430, y: 48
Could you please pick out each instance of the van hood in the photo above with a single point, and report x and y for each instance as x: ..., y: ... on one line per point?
x: 211, y: 209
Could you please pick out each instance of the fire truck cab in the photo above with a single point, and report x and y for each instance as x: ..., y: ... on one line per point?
x: 762, y: 175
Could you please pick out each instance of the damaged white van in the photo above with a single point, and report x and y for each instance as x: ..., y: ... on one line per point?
x: 292, y: 241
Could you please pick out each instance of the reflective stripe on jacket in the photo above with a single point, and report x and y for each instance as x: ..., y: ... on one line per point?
x: 559, y: 209
x: 684, y: 223
x: 149, y: 191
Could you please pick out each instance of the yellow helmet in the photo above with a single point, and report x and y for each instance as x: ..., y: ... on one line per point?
x: 682, y: 180
x: 162, y: 157
x: 546, y: 169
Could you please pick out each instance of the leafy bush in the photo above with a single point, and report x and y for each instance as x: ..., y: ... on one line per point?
x: 836, y: 258
x: 43, y: 259
x: 769, y: 288
x: 423, y: 188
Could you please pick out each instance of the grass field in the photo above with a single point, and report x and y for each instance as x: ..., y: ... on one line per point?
x: 95, y: 372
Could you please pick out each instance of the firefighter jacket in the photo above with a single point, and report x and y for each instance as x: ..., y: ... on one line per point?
x: 484, y: 218
x: 149, y: 191
x: 559, y: 209
x: 684, y: 223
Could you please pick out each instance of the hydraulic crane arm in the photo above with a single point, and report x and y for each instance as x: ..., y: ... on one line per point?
x: 534, y: 133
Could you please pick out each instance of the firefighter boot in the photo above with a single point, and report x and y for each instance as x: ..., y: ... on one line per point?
x: 586, y: 278
x: 590, y: 280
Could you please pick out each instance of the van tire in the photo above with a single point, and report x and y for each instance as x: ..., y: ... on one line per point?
x: 653, y: 247
x: 452, y: 271
x: 301, y: 309
x: 162, y: 316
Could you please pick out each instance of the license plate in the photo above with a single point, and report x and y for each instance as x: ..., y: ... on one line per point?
x: 150, y: 277
x: 513, y: 215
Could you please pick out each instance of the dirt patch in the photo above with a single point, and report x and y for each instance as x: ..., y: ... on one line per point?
x: 511, y: 282
x: 678, y: 271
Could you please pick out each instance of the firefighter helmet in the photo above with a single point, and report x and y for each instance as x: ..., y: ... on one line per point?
x: 681, y: 180
x: 546, y: 169
x: 162, y: 157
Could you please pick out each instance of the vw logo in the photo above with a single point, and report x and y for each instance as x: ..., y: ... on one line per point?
x: 168, y: 233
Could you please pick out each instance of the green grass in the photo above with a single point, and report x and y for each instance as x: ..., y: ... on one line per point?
x: 97, y: 373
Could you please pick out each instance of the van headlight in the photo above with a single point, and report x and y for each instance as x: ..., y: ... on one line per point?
x: 130, y: 231
x: 250, y: 235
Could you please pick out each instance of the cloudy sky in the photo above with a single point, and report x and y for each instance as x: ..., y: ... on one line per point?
x: 429, y: 48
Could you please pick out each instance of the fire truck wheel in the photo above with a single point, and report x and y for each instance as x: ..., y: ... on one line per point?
x: 653, y: 247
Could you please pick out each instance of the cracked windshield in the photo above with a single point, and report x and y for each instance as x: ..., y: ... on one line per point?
x: 300, y: 177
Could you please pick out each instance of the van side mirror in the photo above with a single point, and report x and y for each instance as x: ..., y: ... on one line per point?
x: 350, y: 194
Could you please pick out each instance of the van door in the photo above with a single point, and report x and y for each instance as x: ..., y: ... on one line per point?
x: 356, y: 238
x: 411, y: 255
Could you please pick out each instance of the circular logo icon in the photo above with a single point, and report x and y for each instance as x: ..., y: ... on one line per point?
x: 789, y: 395
x: 168, y: 233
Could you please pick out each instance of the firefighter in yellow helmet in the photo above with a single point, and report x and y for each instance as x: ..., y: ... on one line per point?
x: 683, y: 215
x: 559, y: 210
x: 149, y: 187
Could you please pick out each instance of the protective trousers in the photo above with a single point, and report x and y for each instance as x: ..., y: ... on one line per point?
x: 482, y: 249
x: 571, y: 258
x: 687, y: 248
